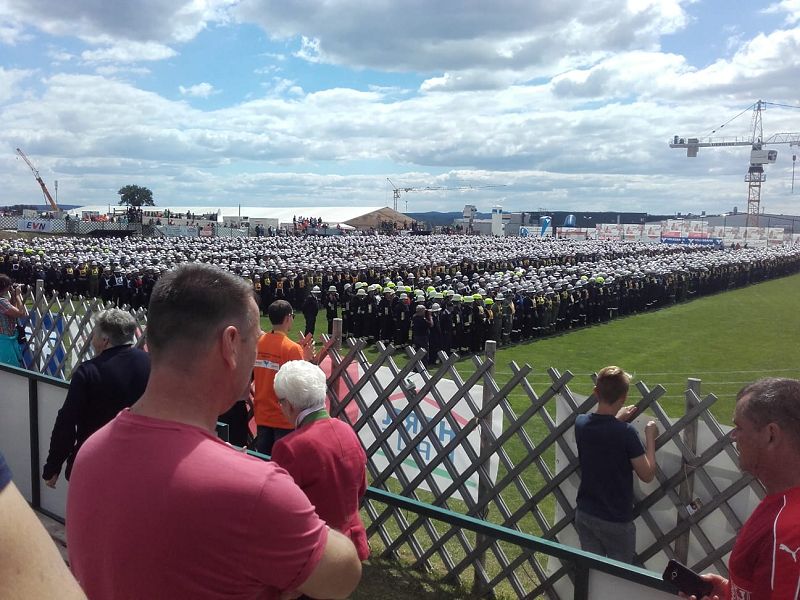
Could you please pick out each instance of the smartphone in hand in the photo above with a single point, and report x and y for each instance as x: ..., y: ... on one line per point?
x: 686, y: 580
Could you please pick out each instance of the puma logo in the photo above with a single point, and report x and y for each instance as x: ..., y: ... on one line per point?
x: 789, y: 550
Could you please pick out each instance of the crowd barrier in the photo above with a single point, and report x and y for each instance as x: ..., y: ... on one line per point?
x: 455, y: 441
x: 29, y: 404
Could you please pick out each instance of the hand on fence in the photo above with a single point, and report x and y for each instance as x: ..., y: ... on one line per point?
x: 651, y: 430
x: 319, y: 356
x: 720, y: 588
x: 626, y: 413
x: 307, y: 344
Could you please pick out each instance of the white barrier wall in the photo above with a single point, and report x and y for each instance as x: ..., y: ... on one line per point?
x: 15, y: 434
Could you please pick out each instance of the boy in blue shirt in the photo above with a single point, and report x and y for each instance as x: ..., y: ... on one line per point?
x: 610, y: 452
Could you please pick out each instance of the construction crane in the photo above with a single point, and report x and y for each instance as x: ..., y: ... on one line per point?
x: 45, y: 191
x: 399, y: 190
x: 759, y: 156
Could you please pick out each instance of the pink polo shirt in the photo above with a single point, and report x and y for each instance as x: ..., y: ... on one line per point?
x: 158, y: 509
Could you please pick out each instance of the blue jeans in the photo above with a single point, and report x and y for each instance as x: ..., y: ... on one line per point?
x: 267, y: 436
x: 606, y: 538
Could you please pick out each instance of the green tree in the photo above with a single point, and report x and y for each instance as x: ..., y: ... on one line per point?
x: 133, y: 195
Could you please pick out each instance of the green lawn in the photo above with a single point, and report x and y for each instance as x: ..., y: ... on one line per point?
x: 726, y: 340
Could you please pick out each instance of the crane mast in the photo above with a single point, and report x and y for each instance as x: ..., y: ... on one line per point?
x: 39, y: 179
x: 759, y: 156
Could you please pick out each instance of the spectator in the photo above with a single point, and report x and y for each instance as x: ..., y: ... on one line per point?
x: 763, y: 563
x: 237, y: 418
x: 274, y: 349
x: 421, y: 324
x: 310, y: 308
x: 323, y: 455
x: 101, y: 387
x: 11, y: 309
x: 609, y: 450
x: 30, y: 564
x: 159, y: 507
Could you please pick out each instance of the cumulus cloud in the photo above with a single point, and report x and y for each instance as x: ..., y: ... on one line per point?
x: 569, y: 104
x: 10, y: 80
x: 12, y: 32
x: 790, y: 7
x: 514, y: 35
x: 163, y: 21
x: 199, y: 90
x: 127, y: 52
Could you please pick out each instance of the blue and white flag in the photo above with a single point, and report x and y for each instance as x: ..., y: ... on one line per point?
x: 545, y: 223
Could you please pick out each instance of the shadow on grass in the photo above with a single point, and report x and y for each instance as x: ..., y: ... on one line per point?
x: 392, y: 580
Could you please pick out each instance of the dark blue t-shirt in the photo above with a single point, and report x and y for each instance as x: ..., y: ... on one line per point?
x: 5, y: 473
x: 605, y: 449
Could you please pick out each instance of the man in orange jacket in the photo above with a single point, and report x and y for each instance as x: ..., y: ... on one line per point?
x: 274, y: 349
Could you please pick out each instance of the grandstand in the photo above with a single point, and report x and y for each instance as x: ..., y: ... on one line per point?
x: 358, y: 217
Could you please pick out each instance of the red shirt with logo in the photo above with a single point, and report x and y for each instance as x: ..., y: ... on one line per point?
x: 765, y: 562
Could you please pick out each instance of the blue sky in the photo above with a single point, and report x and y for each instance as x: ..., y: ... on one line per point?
x: 522, y: 103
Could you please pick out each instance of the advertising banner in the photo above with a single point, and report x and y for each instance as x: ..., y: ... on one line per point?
x: 652, y: 233
x: 386, y: 416
x: 178, y: 230
x: 609, y: 231
x: 52, y: 353
x: 573, y: 233
x: 695, y: 241
x: 37, y: 225
x: 632, y: 233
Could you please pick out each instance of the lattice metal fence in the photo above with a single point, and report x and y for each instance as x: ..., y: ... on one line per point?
x: 535, y: 482
x: 59, y: 330
x: 451, y: 436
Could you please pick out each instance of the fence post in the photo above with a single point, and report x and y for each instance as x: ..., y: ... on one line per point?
x: 337, y: 334
x: 686, y: 488
x: 484, y: 491
x: 37, y: 298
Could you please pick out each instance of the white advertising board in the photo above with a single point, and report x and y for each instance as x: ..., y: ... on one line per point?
x: 385, y: 416
x: 38, y: 225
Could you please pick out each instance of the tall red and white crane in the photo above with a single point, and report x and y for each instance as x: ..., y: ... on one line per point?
x: 759, y: 155
x: 39, y: 179
x: 398, y: 190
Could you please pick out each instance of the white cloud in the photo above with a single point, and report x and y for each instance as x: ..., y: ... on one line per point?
x: 10, y: 80
x: 199, y: 90
x: 163, y: 21
x: 309, y: 50
x: 12, y: 33
x: 112, y: 70
x: 128, y: 52
x: 569, y: 103
x: 60, y: 56
x: 517, y: 36
x: 790, y: 7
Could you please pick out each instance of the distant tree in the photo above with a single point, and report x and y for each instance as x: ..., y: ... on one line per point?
x: 133, y: 195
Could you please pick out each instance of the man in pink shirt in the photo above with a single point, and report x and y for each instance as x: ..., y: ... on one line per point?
x: 158, y: 507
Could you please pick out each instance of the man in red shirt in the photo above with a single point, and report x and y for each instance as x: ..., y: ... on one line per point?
x: 159, y: 507
x: 764, y: 563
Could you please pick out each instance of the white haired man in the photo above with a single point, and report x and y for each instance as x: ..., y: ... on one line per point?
x: 101, y: 387
x: 323, y: 455
x: 160, y: 507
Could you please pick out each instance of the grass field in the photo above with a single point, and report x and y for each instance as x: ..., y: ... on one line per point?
x: 726, y: 340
